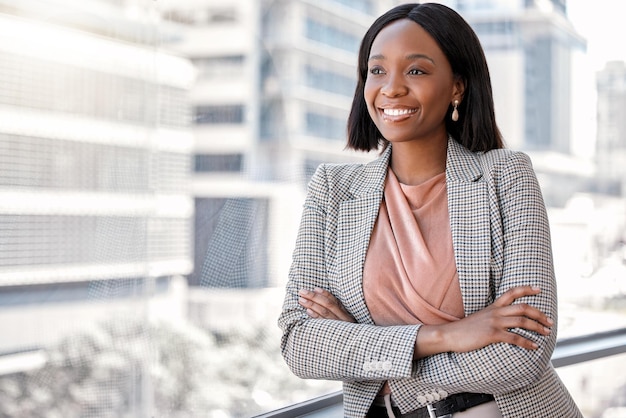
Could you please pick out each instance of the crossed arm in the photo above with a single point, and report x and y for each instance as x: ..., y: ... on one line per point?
x: 488, y: 326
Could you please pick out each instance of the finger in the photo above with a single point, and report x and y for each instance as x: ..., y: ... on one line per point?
x: 518, y: 340
x: 312, y: 313
x: 525, y: 310
x: 318, y: 311
x: 525, y: 323
x: 323, y: 305
x: 315, y: 310
x: 325, y: 299
x: 319, y: 297
x: 514, y: 293
x: 334, y: 305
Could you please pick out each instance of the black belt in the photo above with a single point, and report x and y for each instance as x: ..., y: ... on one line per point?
x: 454, y: 403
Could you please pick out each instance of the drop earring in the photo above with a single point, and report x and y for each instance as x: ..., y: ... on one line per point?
x: 455, y: 111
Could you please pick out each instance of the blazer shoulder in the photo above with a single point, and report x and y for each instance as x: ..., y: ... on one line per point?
x: 335, y: 175
x: 333, y: 182
x: 499, y: 160
x: 350, y: 179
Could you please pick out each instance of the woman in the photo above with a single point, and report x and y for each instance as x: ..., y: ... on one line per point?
x: 424, y: 279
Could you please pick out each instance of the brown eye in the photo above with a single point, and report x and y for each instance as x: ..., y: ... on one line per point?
x: 415, y: 71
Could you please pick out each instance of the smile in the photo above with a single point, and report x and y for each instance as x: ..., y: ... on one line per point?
x: 398, y: 112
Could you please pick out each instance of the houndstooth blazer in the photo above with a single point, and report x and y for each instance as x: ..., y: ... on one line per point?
x: 501, y: 239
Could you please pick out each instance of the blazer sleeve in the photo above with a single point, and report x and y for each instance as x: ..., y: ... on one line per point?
x: 521, y: 255
x: 329, y: 349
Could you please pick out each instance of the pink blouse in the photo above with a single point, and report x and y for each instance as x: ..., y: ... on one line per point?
x: 410, y: 274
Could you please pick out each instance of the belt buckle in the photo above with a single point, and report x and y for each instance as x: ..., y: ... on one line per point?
x: 432, y: 412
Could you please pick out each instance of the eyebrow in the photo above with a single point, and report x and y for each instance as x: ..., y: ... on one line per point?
x: 409, y: 57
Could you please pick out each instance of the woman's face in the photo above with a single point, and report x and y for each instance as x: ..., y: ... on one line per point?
x: 409, y: 84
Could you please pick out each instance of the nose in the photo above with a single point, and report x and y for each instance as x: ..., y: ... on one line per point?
x: 394, y: 86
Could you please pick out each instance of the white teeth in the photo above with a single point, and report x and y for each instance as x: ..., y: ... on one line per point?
x: 398, y: 112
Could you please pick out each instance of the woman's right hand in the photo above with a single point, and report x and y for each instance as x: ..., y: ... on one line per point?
x: 487, y: 326
x: 320, y: 303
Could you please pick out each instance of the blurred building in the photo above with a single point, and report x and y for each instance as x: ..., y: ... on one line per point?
x: 274, y: 85
x: 532, y: 41
x: 95, y: 159
x: 273, y: 90
x: 530, y: 45
x: 611, y: 129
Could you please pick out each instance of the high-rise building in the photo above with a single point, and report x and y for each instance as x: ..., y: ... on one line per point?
x: 274, y: 87
x: 611, y: 129
x: 529, y: 46
x: 96, y: 214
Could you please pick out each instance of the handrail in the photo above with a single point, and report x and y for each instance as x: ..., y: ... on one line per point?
x: 332, y: 401
x: 568, y: 351
x: 588, y: 347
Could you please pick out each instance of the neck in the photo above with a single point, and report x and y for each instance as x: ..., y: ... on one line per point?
x: 415, y: 162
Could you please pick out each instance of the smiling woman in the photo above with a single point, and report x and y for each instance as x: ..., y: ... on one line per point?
x: 154, y: 158
x: 423, y: 280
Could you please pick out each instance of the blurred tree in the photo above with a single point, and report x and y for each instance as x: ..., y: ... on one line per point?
x: 120, y: 368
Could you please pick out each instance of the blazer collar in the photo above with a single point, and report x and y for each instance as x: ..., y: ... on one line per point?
x: 372, y: 178
x: 461, y: 166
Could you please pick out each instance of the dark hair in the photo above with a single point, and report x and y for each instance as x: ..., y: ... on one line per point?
x: 476, y: 127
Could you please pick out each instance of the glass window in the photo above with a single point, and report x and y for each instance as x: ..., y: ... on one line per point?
x: 213, y: 15
x: 218, y: 162
x: 364, y: 6
x: 214, y: 114
x: 221, y: 67
x: 324, y: 126
x: 329, y: 81
x: 331, y: 36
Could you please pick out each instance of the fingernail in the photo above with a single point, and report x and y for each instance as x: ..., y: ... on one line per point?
x: 536, y: 288
x: 303, y: 292
x: 547, y: 330
x: 550, y: 321
x: 535, y: 345
x: 318, y: 290
x: 301, y: 300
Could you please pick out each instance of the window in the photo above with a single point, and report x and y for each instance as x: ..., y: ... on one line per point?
x: 221, y: 67
x: 218, y: 163
x: 218, y: 15
x: 360, y: 5
x: 331, y: 36
x: 329, y: 81
x: 229, y: 114
x: 325, y: 126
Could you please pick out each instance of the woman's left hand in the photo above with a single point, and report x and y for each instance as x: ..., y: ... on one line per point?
x: 320, y: 303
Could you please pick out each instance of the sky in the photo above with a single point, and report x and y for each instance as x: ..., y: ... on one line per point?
x: 602, y: 23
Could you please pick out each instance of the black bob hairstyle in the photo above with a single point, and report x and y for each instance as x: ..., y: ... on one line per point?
x: 476, y: 127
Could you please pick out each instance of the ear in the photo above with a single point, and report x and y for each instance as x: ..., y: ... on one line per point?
x: 458, y: 90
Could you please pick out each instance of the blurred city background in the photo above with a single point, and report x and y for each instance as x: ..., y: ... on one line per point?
x: 137, y: 136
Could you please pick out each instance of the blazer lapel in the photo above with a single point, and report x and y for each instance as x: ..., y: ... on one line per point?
x: 468, y: 205
x: 356, y: 219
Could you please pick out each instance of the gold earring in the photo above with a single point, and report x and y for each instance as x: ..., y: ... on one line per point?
x: 455, y: 111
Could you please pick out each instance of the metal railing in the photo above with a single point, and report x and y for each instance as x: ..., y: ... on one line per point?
x: 568, y: 351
